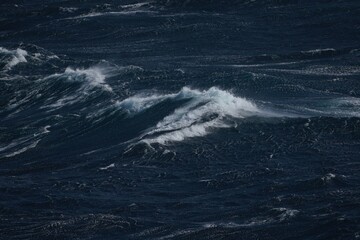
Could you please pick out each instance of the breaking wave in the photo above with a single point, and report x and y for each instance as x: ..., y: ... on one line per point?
x: 93, y: 76
x: 203, y: 111
x: 12, y: 57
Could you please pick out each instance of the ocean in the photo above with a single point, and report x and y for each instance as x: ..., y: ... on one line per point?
x: 180, y: 119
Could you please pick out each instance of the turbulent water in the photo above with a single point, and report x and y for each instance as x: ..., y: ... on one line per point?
x: 172, y: 119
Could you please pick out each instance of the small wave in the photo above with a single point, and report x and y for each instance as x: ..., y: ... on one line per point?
x: 321, y: 71
x: 24, y: 149
x: 328, y: 177
x: 92, y: 77
x: 26, y: 57
x: 204, y: 110
x: 351, y: 102
x: 136, y: 5
x: 22, y: 144
x: 107, y: 167
x: 16, y: 56
x: 119, y: 13
x: 139, y: 103
x: 274, y: 215
x: 95, y: 76
x: 68, y: 9
x: 319, y: 51
x: 264, y: 64
x: 336, y: 107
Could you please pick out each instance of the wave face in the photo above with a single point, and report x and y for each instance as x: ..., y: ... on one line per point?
x: 179, y: 119
x: 203, y: 110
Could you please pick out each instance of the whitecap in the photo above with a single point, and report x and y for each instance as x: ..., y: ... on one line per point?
x: 90, y: 79
x: 68, y: 9
x: 94, y: 76
x: 140, y: 103
x: 17, y: 56
x: 320, y: 50
x: 135, y: 5
x: 204, y: 110
x: 107, y: 167
x: 24, y: 149
x: 119, y: 13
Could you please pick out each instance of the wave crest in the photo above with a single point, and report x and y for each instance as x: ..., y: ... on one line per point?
x: 94, y: 76
x: 16, y: 56
x: 204, y: 110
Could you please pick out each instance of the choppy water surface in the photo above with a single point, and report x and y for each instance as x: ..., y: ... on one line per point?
x: 179, y: 119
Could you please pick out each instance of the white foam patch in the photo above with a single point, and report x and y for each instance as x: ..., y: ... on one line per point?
x: 319, y: 70
x: 321, y: 50
x: 68, y: 9
x: 120, y: 13
x: 205, y: 110
x: 140, y: 103
x: 348, y: 101
x: 107, y: 167
x: 264, y: 64
x: 94, y: 76
x: 343, y: 107
x: 18, y: 56
x: 333, y: 107
x: 24, y: 149
x: 136, y: 5
x: 196, y: 130
x: 90, y: 78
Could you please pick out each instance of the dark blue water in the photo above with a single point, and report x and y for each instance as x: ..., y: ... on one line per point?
x: 179, y: 119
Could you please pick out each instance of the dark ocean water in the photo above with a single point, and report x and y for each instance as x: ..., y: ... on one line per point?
x: 179, y: 119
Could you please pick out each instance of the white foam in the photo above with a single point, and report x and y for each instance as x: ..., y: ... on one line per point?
x: 204, y: 110
x: 319, y: 70
x: 140, y: 103
x: 197, y: 130
x: 348, y: 101
x: 320, y: 50
x: 335, y: 107
x: 94, y: 76
x: 24, y: 149
x: 107, y: 167
x: 18, y: 56
x: 135, y: 5
x: 46, y: 129
x: 68, y: 9
x: 119, y: 13
x: 66, y: 100
x: 286, y: 213
x: 90, y: 78
x: 328, y: 177
x: 264, y: 64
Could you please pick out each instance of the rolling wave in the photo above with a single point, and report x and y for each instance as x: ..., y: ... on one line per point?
x: 91, y: 77
x: 202, y: 111
x: 12, y: 57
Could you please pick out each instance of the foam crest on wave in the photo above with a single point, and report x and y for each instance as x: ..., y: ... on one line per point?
x: 17, y: 56
x: 91, y: 77
x: 138, y: 103
x: 91, y: 80
x: 95, y: 76
x: 205, y: 110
